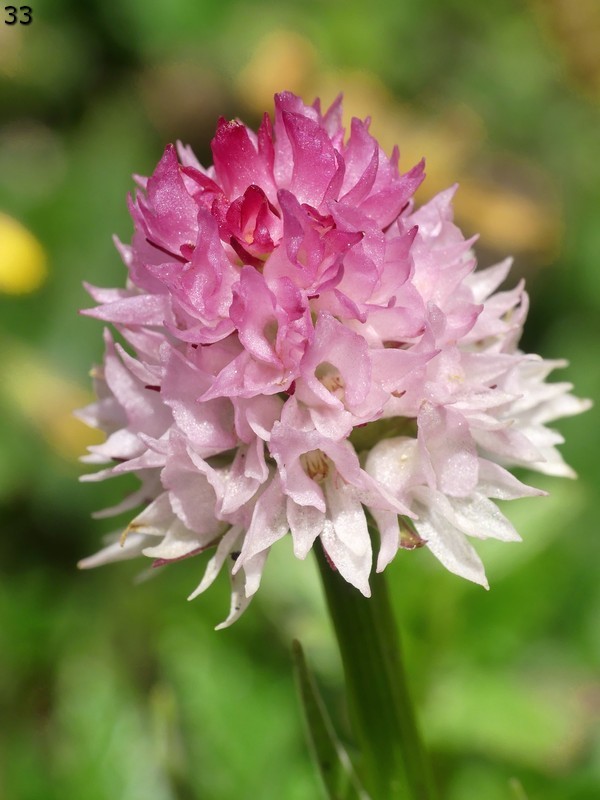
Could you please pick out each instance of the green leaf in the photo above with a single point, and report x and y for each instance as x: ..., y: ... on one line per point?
x: 334, y: 765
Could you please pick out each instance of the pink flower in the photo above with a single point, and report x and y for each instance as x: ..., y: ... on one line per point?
x: 304, y: 347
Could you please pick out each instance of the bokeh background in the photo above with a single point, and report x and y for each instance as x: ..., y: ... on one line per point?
x: 112, y: 686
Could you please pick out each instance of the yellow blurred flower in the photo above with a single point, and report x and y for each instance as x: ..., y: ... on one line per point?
x: 281, y: 59
x: 23, y: 262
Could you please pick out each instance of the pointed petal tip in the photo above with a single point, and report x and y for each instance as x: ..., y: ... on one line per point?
x: 234, y: 615
x: 383, y: 561
x: 535, y: 492
x: 480, y: 578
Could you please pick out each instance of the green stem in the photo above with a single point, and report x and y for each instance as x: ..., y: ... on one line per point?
x: 394, y: 764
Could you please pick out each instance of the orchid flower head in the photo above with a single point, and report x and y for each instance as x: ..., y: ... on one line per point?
x: 308, y: 355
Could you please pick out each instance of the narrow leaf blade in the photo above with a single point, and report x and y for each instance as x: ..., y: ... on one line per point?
x: 333, y: 763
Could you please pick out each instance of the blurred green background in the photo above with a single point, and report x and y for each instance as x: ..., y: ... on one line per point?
x: 111, y: 687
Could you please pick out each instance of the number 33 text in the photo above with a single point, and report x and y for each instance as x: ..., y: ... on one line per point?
x: 20, y: 15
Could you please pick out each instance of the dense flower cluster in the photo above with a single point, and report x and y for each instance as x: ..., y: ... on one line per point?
x: 305, y: 351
